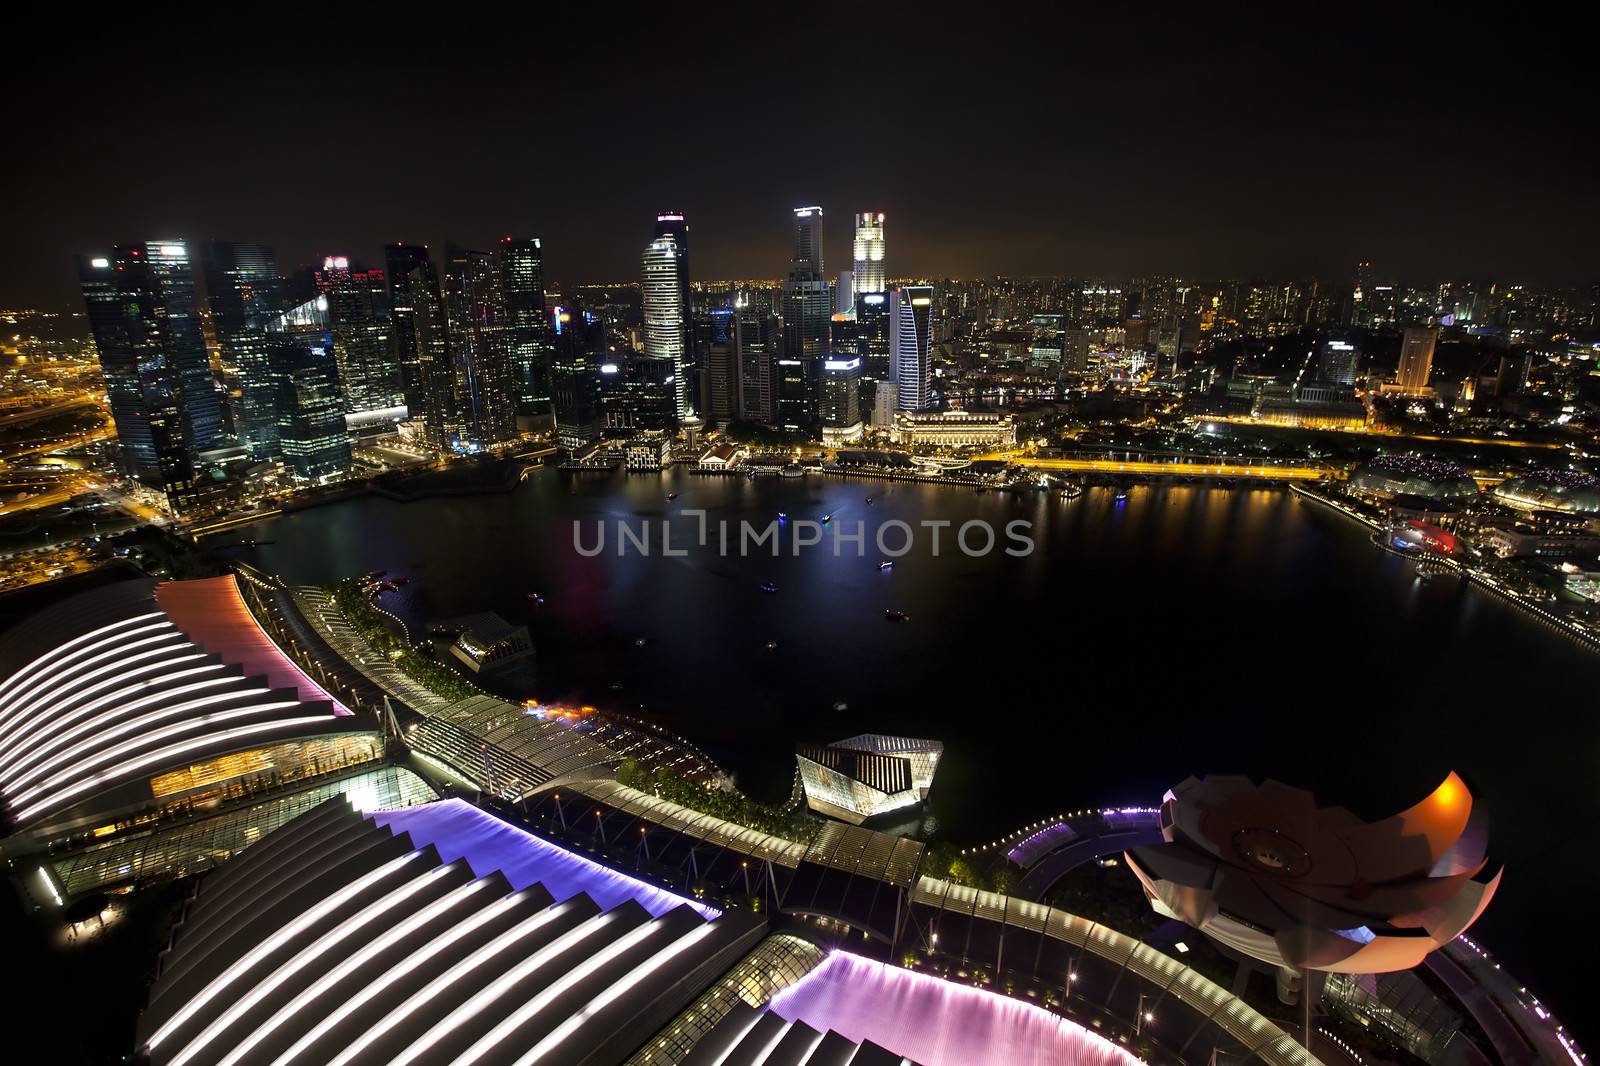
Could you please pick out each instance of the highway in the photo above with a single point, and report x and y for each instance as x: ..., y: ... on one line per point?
x: 1139, y: 468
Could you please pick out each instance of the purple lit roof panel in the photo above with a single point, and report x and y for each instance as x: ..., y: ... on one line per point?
x: 458, y: 829
x: 937, y: 1022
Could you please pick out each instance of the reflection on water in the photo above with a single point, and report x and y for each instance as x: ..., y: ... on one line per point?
x: 1183, y: 631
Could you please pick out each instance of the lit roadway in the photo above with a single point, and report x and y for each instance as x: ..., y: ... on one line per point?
x: 1498, y: 442
x: 1176, y: 469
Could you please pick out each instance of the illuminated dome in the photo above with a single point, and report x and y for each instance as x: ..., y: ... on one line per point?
x: 1551, y: 490
x: 1266, y: 872
x: 1413, y: 475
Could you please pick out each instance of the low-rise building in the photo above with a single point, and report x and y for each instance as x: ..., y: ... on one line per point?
x: 954, y: 429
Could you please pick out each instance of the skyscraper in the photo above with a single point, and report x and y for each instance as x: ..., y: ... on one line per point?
x: 844, y: 294
x: 1416, y: 359
x: 807, y: 241
x: 577, y: 365
x: 872, y: 333
x: 910, y: 320
x: 664, y: 270
x: 358, y: 301
x: 245, y: 292
x: 1337, y: 362
x: 485, y: 381
x: 308, y: 399
x: 722, y: 369
x: 869, y: 249
x: 807, y: 310
x: 418, y: 328
x: 521, y: 264
x: 755, y: 341
x: 142, y: 310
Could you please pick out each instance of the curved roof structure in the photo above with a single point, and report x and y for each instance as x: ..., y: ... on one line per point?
x: 1551, y: 490
x: 1414, y: 475
x: 1265, y: 871
x: 107, y: 691
x: 933, y: 1021
x: 338, y: 941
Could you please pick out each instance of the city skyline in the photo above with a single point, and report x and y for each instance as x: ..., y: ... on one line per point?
x: 1149, y: 149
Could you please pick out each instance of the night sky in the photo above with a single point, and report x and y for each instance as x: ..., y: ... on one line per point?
x: 1432, y: 145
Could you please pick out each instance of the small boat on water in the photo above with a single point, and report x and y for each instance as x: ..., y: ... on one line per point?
x: 772, y: 645
x: 783, y: 516
x: 1122, y: 494
x: 886, y: 565
x: 672, y: 496
x: 1071, y: 492
x: 869, y: 499
x: 767, y: 586
x: 896, y: 616
x: 827, y: 518
x: 639, y: 643
x: 538, y: 600
x: 792, y: 470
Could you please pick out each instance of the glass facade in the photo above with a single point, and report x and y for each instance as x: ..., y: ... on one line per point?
x: 310, y: 404
x: 201, y: 843
x: 664, y: 268
x: 485, y: 384
x: 146, y: 323
x: 521, y: 265
x: 358, y: 305
x: 869, y: 250
x: 416, y: 312
x: 245, y: 293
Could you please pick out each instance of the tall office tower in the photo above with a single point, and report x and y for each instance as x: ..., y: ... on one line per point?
x: 417, y: 323
x: 869, y: 252
x: 244, y: 290
x: 521, y: 265
x: 872, y: 333
x: 1416, y: 359
x: 308, y: 399
x: 358, y: 302
x: 807, y: 310
x: 844, y: 294
x: 640, y: 394
x: 722, y: 370
x: 1337, y: 362
x: 577, y: 365
x: 485, y: 380
x: 755, y: 341
x: 672, y: 224
x: 841, y: 398
x: 664, y: 268
x: 1075, y: 350
x: 142, y: 310
x: 910, y: 322
x: 1361, y: 295
x: 807, y: 257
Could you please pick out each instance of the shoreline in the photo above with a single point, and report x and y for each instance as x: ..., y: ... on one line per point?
x: 1468, y: 576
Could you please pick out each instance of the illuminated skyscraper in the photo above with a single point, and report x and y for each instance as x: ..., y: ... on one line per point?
x: 664, y: 268
x: 358, y: 301
x: 521, y: 264
x: 142, y: 310
x: 756, y: 340
x: 844, y: 294
x: 421, y: 349
x: 577, y: 368
x: 869, y: 250
x: 910, y: 320
x: 807, y: 310
x: 1416, y: 359
x: 245, y: 291
x: 485, y: 382
x: 807, y: 241
x: 872, y: 333
x: 308, y: 400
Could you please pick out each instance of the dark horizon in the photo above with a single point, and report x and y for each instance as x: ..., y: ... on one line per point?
x: 1434, y: 147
